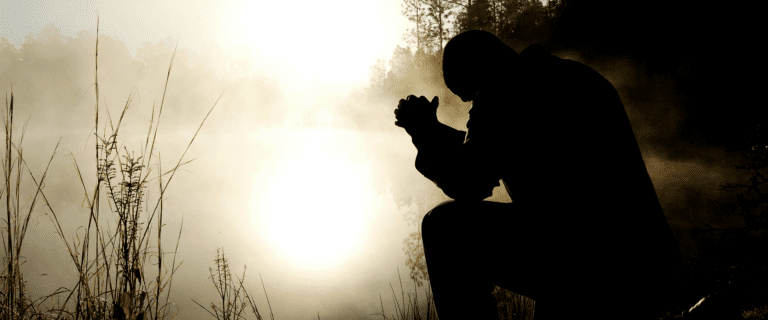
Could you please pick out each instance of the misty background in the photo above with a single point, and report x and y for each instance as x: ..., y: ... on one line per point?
x: 688, y: 84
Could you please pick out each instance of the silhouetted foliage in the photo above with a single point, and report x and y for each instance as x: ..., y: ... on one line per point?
x: 476, y: 16
x: 530, y: 20
x: 439, y: 13
x: 377, y: 78
x: 414, y: 258
x: 415, y: 12
x: 732, y: 259
x: 754, y: 201
x: 418, y: 66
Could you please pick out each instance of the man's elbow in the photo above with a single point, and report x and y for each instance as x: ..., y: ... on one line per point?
x: 468, y: 198
x: 466, y: 194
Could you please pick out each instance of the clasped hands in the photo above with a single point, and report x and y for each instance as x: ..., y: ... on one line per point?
x: 413, y: 113
x: 419, y: 116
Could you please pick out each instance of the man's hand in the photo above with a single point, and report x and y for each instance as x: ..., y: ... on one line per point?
x: 412, y: 113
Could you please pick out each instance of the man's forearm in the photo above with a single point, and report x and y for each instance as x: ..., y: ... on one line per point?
x: 442, y: 158
x: 449, y: 169
x: 436, y: 135
x: 435, y: 144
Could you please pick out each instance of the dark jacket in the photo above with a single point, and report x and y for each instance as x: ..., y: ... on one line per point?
x: 557, y: 135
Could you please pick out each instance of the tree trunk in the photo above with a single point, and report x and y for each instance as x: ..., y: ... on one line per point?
x: 440, y: 27
x: 418, y: 28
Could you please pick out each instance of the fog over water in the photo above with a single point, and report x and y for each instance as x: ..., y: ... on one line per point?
x: 290, y: 102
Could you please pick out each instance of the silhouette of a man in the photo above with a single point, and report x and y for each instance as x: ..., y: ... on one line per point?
x: 585, y: 235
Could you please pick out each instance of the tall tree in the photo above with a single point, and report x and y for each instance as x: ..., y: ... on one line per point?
x: 416, y: 12
x: 401, y: 67
x: 554, y: 8
x: 377, y: 76
x: 439, y: 13
x: 476, y: 16
x: 530, y: 20
x: 497, y: 13
x: 508, y: 21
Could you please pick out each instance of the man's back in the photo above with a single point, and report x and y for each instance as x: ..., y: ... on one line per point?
x: 572, y: 158
x: 585, y: 230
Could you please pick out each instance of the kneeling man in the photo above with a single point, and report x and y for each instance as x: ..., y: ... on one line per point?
x: 585, y: 235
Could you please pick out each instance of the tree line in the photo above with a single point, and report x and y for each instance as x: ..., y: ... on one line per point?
x: 418, y: 66
x: 436, y: 21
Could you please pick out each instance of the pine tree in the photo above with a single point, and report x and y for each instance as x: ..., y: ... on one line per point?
x: 416, y: 12
x: 439, y: 13
x: 476, y: 16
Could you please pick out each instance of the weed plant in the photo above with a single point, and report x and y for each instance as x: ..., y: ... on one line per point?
x: 114, y: 276
x: 513, y: 306
x: 14, y: 300
x: 411, y: 310
x: 234, y: 296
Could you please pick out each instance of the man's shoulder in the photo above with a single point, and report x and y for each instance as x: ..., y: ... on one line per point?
x: 574, y: 66
x: 534, y: 50
x: 578, y: 75
x: 537, y: 53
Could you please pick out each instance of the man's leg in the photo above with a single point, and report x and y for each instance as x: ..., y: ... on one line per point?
x: 463, y: 245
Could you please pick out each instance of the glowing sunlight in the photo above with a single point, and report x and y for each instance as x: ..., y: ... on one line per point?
x: 315, y: 208
x: 335, y: 40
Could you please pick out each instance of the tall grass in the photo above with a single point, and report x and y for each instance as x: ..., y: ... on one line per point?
x: 14, y: 302
x: 511, y: 306
x: 410, y: 311
x: 234, y: 297
x: 114, y: 280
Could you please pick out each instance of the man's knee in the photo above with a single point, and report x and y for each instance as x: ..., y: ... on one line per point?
x: 448, y: 218
x: 440, y: 214
x: 450, y: 215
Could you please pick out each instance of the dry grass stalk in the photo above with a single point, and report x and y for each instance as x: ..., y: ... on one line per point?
x: 410, y: 311
x: 112, y: 281
x: 234, y: 297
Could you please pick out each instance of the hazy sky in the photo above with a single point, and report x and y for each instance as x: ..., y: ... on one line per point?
x: 264, y: 170
x: 283, y: 147
x: 312, y: 37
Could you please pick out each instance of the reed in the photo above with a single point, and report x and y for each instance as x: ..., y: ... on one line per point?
x: 410, y: 311
x: 15, y: 303
x: 114, y: 280
x: 235, y: 299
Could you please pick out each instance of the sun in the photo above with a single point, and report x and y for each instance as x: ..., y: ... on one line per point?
x: 336, y: 40
x: 315, y: 209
